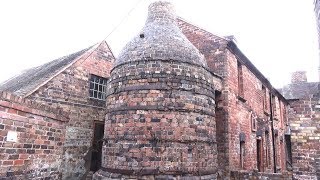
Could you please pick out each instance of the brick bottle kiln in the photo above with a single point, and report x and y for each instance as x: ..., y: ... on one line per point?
x: 161, y: 106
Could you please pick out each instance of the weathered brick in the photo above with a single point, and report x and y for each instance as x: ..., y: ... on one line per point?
x: 18, y: 162
x: 304, y: 123
x: 11, y: 151
x: 15, y: 156
x: 150, y: 93
x: 27, y: 146
x: 6, y: 163
x: 31, y: 151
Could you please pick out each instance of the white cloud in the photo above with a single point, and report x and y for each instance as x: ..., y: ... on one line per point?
x: 279, y: 37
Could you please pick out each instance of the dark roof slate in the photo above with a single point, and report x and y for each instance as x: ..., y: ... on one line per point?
x: 30, y: 79
x: 300, y: 90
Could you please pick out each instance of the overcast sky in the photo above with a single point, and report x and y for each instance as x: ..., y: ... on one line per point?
x: 278, y: 36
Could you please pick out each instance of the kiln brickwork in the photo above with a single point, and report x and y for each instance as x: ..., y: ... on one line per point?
x: 161, y: 106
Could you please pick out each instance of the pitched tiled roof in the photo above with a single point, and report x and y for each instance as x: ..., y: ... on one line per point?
x: 300, y: 90
x: 30, y: 79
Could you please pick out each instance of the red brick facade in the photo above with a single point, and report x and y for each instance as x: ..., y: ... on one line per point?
x: 70, y: 91
x: 38, y: 150
x: 245, y: 97
x: 67, y: 91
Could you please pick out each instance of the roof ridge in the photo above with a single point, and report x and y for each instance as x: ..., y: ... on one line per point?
x: 29, y: 80
x: 179, y: 18
x: 109, y: 47
x: 41, y: 65
x: 90, y: 49
x: 65, y: 67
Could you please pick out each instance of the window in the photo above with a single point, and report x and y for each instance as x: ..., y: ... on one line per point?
x: 264, y: 100
x: 240, y: 80
x: 274, y: 107
x: 280, y: 113
x: 253, y: 122
x: 98, y: 87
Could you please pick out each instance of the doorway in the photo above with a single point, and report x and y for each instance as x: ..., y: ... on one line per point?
x: 288, y: 151
x: 259, y: 155
x: 97, y: 144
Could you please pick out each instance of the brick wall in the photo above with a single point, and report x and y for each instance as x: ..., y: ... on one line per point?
x: 161, y: 107
x: 304, y: 123
x: 242, y: 107
x: 39, y: 129
x: 240, y: 175
x: 70, y: 91
x: 235, y: 110
x: 157, y: 124
x: 211, y: 46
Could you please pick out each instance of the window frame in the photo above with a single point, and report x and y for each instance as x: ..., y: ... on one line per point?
x: 253, y: 119
x: 264, y: 98
x: 240, y: 80
x: 97, y: 87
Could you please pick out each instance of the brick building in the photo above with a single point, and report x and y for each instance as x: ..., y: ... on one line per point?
x: 76, y: 84
x: 179, y: 102
x: 250, y: 115
x: 31, y: 137
x: 304, y: 117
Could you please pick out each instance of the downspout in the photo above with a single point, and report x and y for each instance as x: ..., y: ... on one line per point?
x: 272, y: 134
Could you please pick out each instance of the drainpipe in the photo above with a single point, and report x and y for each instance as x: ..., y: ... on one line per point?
x: 272, y: 135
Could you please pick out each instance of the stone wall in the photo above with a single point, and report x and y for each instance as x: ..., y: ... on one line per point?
x: 70, y: 91
x: 305, y: 120
x: 31, y: 139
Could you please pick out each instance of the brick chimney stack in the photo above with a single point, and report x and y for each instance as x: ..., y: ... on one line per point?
x: 299, y: 77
